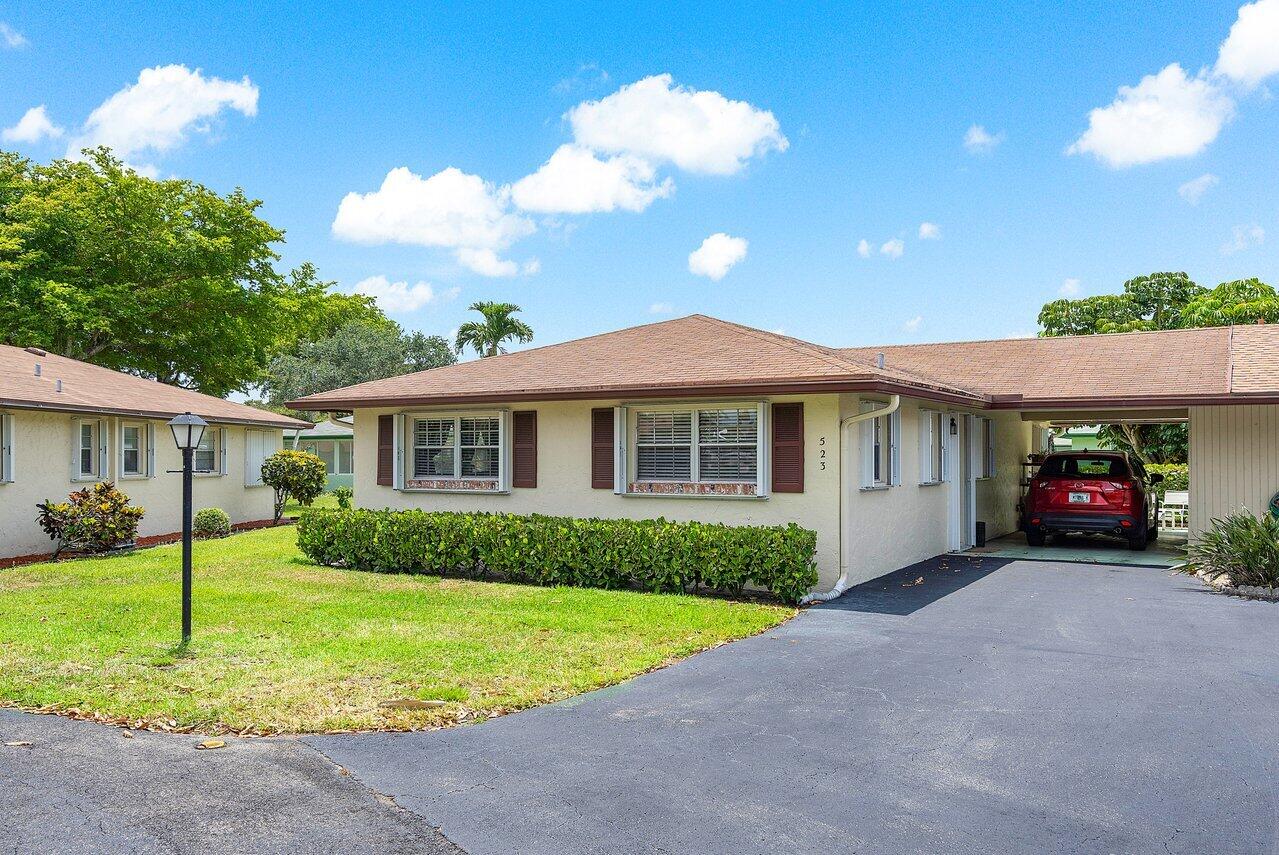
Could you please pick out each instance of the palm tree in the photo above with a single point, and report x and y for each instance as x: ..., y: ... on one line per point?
x: 488, y: 335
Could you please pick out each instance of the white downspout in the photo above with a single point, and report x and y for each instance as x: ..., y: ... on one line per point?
x: 841, y: 585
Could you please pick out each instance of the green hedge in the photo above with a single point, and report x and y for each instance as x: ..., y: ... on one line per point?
x: 655, y: 555
x: 1176, y: 476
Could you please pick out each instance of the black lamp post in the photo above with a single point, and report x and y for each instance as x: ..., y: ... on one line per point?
x: 187, y: 432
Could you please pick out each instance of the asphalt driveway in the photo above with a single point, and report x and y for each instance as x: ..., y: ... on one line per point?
x: 993, y: 707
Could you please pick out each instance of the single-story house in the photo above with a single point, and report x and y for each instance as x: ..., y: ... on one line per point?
x: 65, y: 424
x: 892, y: 454
x: 331, y: 440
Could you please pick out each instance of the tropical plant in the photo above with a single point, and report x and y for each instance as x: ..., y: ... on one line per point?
x: 1242, y: 547
x: 1176, y: 477
x: 166, y: 279
x: 292, y: 474
x: 499, y: 326
x: 93, y: 519
x: 210, y: 522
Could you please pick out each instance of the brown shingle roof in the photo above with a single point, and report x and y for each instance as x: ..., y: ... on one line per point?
x: 692, y: 354
x: 93, y: 389
x: 702, y: 355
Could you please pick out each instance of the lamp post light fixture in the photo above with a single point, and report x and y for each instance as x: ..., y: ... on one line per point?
x: 188, y: 430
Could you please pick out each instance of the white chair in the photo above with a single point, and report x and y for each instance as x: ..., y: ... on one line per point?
x: 1174, y: 513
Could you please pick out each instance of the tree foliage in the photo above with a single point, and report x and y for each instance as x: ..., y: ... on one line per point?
x: 293, y: 474
x: 164, y: 279
x: 355, y: 353
x: 499, y: 326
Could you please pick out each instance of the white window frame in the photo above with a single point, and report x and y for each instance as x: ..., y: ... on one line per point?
x: 217, y: 437
x: 406, y: 443
x: 627, y: 421
x: 986, y: 433
x: 143, y: 449
x: 932, y: 447
x: 101, y: 454
x: 881, y: 434
x: 6, y: 448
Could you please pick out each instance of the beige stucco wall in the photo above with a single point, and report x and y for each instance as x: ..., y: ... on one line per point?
x: 564, y: 480
x: 1234, y: 460
x: 42, y: 470
x: 997, y: 497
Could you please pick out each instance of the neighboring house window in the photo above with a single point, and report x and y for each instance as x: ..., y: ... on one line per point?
x: 931, y: 447
x: 987, y: 448
x: 208, y: 452
x: 881, y: 454
x: 712, y: 445
x: 133, y: 462
x: 88, y: 449
x: 345, y: 464
x: 460, y: 447
x: 336, y: 454
x: 89, y: 461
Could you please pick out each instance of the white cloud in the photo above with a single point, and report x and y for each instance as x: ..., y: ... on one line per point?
x: 1244, y: 237
x: 449, y: 209
x: 863, y: 248
x: 161, y: 109
x: 1165, y: 115
x: 929, y: 231
x: 893, y: 248
x: 717, y: 254
x: 1069, y: 288
x: 35, y: 125
x: 11, y: 37
x: 400, y: 297
x: 913, y: 324
x: 661, y: 309
x: 589, y: 75
x: 1251, y: 52
x: 1192, y: 191
x: 532, y: 267
x: 575, y: 181
x: 660, y: 121
x: 980, y: 141
x: 486, y: 262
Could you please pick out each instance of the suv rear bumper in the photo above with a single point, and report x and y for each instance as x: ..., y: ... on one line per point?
x: 1118, y: 524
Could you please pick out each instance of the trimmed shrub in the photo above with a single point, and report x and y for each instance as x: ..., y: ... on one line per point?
x: 293, y: 474
x: 1241, y: 546
x: 210, y: 522
x: 655, y: 555
x: 1176, y: 477
x: 343, y: 496
x: 94, y: 519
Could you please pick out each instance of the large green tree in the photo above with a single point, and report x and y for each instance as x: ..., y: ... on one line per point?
x: 355, y: 353
x: 165, y: 279
x: 499, y: 326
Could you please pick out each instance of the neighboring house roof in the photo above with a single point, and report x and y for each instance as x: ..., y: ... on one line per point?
x: 702, y: 355
x: 93, y: 389
x: 327, y: 429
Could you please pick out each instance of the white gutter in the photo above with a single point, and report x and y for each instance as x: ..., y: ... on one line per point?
x: 841, y: 585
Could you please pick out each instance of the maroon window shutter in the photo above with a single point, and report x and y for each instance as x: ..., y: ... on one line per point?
x: 386, y: 451
x: 788, y: 448
x: 602, y: 448
x: 524, y: 449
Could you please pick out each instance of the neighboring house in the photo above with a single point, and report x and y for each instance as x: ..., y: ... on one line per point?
x: 1077, y: 438
x: 331, y: 440
x: 65, y: 424
x: 891, y: 454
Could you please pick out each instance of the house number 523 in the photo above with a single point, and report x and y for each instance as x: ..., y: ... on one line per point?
x: 821, y: 453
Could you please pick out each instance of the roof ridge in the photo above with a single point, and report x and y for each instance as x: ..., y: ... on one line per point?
x: 820, y: 351
x: 1039, y: 338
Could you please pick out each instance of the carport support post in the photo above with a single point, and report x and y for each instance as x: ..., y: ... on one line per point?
x: 187, y: 479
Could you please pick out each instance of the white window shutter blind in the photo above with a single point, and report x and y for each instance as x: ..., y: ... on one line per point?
x: 503, y: 451
x: 621, y: 466
x: 925, y: 424
x: 150, y: 449
x: 222, y: 456
x: 895, y: 448
x: 75, y: 449
x: 6, y: 448
x: 866, y: 440
x: 763, y: 449
x: 990, y: 448
x: 104, y: 449
x: 401, y: 451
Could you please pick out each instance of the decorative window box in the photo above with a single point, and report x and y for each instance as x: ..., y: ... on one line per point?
x: 455, y: 485
x: 687, y: 488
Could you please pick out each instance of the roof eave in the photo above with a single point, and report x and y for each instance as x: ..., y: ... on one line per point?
x: 283, y: 422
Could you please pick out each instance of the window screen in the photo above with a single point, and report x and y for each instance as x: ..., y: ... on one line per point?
x: 206, y: 453
x: 726, y: 444
x: 344, y: 457
x: 479, y: 447
x: 88, y: 448
x: 433, y: 441
x: 131, y: 442
x: 664, y: 446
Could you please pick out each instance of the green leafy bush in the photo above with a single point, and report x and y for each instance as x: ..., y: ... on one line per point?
x: 343, y: 496
x: 1241, y: 546
x: 94, y: 519
x: 1176, y: 477
x: 293, y: 474
x: 210, y: 522
x: 656, y: 555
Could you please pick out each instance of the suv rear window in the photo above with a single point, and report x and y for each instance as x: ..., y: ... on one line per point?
x: 1113, y: 467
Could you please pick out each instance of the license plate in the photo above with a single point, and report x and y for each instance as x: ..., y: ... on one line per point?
x: 1080, y: 498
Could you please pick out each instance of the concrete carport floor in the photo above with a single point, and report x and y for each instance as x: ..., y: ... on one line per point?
x: 1168, y: 551
x: 965, y: 704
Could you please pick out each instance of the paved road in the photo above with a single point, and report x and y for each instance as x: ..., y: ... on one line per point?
x: 82, y: 789
x: 1000, y: 707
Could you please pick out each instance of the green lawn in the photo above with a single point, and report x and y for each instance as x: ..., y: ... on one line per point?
x: 327, y: 500
x: 282, y: 645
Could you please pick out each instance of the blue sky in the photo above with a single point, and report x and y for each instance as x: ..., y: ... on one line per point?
x: 824, y: 126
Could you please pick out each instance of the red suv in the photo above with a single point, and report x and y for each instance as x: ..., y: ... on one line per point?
x: 1101, y: 492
